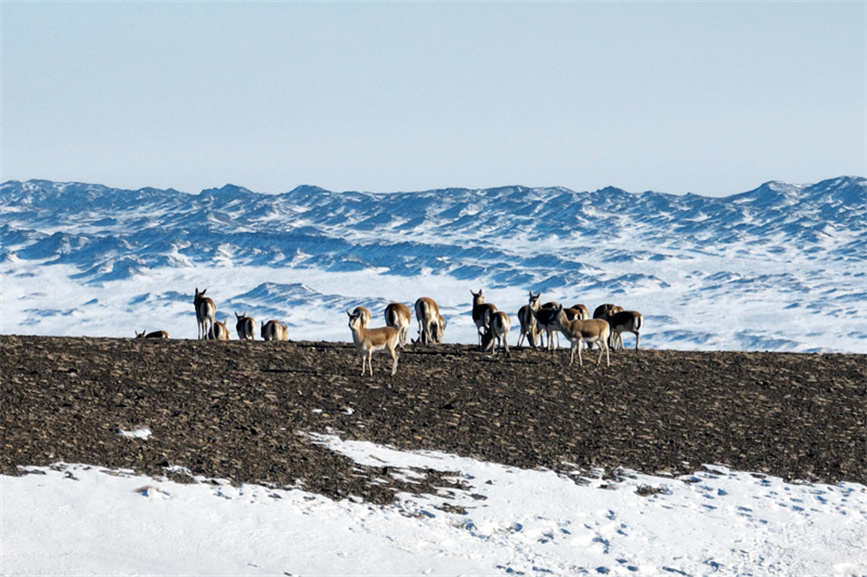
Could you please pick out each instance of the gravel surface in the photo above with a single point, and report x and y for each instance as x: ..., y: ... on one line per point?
x: 244, y: 411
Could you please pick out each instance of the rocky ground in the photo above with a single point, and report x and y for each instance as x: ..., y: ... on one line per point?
x: 244, y: 410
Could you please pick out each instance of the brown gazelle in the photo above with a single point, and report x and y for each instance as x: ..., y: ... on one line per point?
x: 482, y: 313
x: 591, y: 331
x: 152, y: 335
x: 206, y: 310
x: 580, y: 311
x: 219, y: 332
x: 367, y: 341
x: 527, y: 318
x: 606, y: 310
x: 275, y: 331
x: 398, y: 316
x: 498, y: 334
x: 245, y: 327
x: 625, y: 322
x: 431, y: 324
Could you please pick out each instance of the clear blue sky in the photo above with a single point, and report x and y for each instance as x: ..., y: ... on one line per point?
x: 713, y: 98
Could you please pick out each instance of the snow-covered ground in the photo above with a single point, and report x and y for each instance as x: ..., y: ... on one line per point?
x: 79, y: 520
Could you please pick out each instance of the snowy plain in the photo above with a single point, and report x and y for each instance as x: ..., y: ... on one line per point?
x: 723, y: 282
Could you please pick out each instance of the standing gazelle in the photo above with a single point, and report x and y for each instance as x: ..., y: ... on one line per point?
x: 398, y: 316
x: 498, y: 333
x: 431, y: 324
x: 275, y: 331
x: 206, y: 310
x: 625, y: 322
x: 593, y: 331
x: 482, y: 313
x: 245, y: 327
x: 367, y: 341
x: 527, y: 318
x: 219, y: 332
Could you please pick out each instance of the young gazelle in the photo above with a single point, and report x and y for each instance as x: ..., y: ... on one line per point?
x: 431, y: 324
x: 592, y: 331
x: 527, y: 318
x: 275, y: 331
x: 367, y: 341
x: 482, y: 313
x: 246, y: 327
x: 498, y: 335
x: 398, y: 316
x: 219, y: 332
x: 206, y: 310
x: 625, y: 322
x: 153, y: 335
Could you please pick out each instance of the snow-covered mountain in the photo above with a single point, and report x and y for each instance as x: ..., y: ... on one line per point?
x: 781, y: 267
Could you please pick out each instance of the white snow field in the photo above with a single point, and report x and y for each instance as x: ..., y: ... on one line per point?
x: 80, y: 520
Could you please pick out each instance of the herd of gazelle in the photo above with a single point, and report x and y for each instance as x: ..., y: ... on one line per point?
x: 540, y: 324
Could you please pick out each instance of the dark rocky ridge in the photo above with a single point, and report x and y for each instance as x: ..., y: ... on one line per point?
x: 239, y: 410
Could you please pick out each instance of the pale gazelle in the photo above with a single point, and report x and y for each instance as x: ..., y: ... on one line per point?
x: 205, y: 312
x: 246, y: 327
x: 625, y: 322
x: 219, y: 332
x: 498, y: 333
x: 398, y: 316
x: 275, y: 331
x: 431, y: 324
x: 367, y: 341
x: 482, y: 313
x: 153, y: 335
x: 527, y: 318
x: 591, y: 331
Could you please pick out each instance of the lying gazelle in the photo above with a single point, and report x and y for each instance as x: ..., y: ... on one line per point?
x: 219, y: 332
x: 527, y: 318
x: 482, y: 313
x: 625, y: 322
x: 275, y: 331
x: 591, y: 331
x: 367, y: 341
x: 206, y: 310
x: 246, y: 327
x: 398, y: 316
x: 431, y: 324
x: 498, y: 333
x: 153, y: 335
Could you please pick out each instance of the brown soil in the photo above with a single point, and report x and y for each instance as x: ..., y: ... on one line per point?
x: 240, y: 410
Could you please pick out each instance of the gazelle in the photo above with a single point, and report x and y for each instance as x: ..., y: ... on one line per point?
x: 367, y: 341
x: 431, y: 324
x: 365, y: 315
x: 482, y: 313
x: 606, y: 310
x: 527, y: 318
x: 581, y: 312
x: 206, y: 310
x: 546, y: 319
x: 625, y: 322
x: 398, y: 316
x: 275, y: 331
x: 246, y: 327
x: 153, y: 335
x: 498, y: 333
x: 591, y: 331
x: 219, y: 332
